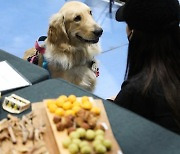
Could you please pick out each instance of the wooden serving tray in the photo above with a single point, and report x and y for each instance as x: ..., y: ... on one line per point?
x: 54, y: 144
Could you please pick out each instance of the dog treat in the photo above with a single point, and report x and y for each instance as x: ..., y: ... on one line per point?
x: 11, y: 133
x: 84, y: 130
x: 56, y: 119
x: 22, y: 135
x: 85, y: 114
x: 87, y: 141
x: 71, y: 129
x: 71, y: 105
x: 83, y: 119
x: 60, y: 127
x: 15, y: 104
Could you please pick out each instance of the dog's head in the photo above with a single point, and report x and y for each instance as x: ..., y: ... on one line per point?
x: 74, y: 24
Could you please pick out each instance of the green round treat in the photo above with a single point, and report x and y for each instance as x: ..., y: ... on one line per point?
x: 96, y: 142
x: 86, y: 150
x: 83, y: 143
x: 90, y: 134
x: 100, y: 149
x: 99, y: 132
x: 81, y: 131
x: 76, y: 141
x: 74, y: 135
x: 99, y: 137
x: 66, y: 142
x: 73, y: 148
x: 107, y: 144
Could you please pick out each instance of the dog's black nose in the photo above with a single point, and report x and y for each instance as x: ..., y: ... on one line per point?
x: 98, y: 32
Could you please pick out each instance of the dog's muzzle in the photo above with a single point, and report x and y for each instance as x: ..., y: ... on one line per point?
x: 97, y: 33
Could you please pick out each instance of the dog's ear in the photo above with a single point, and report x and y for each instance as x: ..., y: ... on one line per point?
x: 57, y: 31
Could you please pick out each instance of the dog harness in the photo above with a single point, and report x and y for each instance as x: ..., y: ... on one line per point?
x: 94, y: 67
x: 40, y: 49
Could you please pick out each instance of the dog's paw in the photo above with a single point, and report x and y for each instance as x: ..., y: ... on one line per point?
x: 88, y: 80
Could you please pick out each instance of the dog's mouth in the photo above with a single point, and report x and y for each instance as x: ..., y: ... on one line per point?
x: 87, y: 41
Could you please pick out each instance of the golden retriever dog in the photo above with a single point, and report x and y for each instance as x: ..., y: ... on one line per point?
x: 71, y: 45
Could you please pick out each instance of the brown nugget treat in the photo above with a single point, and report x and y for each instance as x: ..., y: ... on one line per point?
x: 81, y: 113
x: 92, y: 122
x: 79, y: 121
x: 70, y: 129
x: 60, y: 126
x: 69, y: 123
x: 91, y: 115
x: 56, y: 119
x: 65, y: 121
x: 85, y: 125
x: 70, y: 117
x: 86, y: 115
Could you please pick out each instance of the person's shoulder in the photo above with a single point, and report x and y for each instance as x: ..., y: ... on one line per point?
x: 131, y: 85
x: 130, y: 91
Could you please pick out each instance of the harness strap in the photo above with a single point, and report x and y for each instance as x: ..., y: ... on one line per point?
x: 34, y: 58
x: 39, y: 49
x: 94, y: 67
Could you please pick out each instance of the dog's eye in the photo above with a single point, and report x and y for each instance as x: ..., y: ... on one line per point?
x: 90, y: 12
x: 77, y: 18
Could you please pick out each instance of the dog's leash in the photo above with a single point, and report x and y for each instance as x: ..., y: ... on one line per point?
x: 39, y: 49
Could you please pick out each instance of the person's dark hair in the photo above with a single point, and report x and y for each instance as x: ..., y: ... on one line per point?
x: 155, y: 57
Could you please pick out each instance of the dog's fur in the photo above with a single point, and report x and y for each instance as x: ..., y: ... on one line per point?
x: 71, y: 45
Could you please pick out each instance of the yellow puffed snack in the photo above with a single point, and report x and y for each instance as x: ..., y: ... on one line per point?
x: 60, y: 102
x: 86, y: 105
x: 50, y: 101
x: 59, y: 112
x: 69, y: 112
x: 84, y: 98
x: 77, y: 103
x: 96, y: 110
x: 52, y: 108
x: 76, y: 108
x: 67, y: 105
x: 64, y: 97
x: 72, y: 98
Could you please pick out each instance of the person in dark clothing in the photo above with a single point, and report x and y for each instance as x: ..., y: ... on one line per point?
x: 152, y: 79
